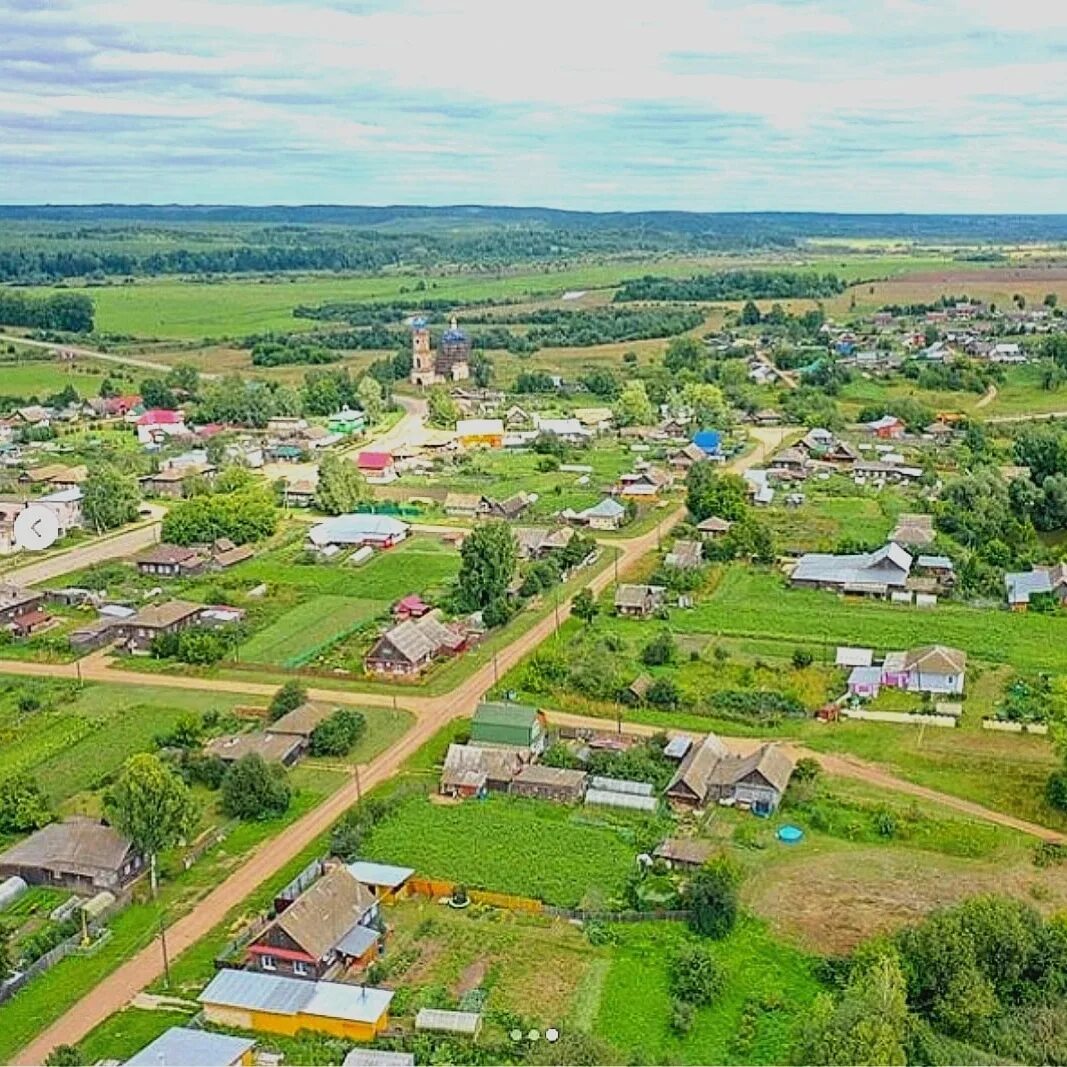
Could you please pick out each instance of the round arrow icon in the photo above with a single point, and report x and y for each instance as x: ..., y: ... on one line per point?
x: 36, y: 527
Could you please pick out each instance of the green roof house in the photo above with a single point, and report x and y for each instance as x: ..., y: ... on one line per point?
x: 347, y: 421
x: 497, y: 723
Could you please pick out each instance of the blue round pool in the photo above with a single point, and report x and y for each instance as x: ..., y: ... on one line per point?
x: 790, y: 834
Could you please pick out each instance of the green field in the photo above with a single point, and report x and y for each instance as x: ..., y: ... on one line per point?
x: 41, y: 378
x: 417, y: 565
x: 749, y: 602
x: 294, y: 637
x: 187, y: 310
x: 524, y: 847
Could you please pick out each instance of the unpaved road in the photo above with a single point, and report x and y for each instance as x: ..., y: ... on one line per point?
x: 92, y: 353
x: 116, y: 546
x: 266, y: 860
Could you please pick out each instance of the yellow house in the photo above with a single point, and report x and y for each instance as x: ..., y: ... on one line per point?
x: 179, y: 1044
x: 275, y: 1004
x: 480, y: 433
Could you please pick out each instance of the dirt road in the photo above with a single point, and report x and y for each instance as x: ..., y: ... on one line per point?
x: 432, y: 713
x: 112, y: 547
x: 92, y: 353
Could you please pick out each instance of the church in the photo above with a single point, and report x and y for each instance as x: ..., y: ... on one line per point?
x: 449, y: 363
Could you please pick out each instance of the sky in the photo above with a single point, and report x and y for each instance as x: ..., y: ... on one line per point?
x: 706, y: 105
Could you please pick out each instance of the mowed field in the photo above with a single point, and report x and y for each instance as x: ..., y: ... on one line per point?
x: 41, y: 378
x: 293, y: 638
x: 183, y: 310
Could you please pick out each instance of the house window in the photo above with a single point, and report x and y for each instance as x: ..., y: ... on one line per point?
x: 300, y: 967
x: 268, y: 963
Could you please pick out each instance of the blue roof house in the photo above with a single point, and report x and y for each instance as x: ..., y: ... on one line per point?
x: 709, y: 441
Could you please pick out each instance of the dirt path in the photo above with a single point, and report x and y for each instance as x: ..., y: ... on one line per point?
x: 92, y: 353
x: 115, y: 546
x: 987, y: 397
x: 266, y: 860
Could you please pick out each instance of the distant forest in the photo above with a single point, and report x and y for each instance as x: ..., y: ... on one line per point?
x: 732, y: 285
x: 42, y: 244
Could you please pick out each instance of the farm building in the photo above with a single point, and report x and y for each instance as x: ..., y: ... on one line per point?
x: 302, y: 720
x: 374, y: 464
x: 140, y: 630
x: 1022, y: 585
x: 757, y: 781
x: 609, y: 514
x: 536, y: 542
x: 639, y: 601
x: 714, y: 526
x: 621, y: 793
x: 570, y: 430
x: 471, y: 770
x: 376, y: 1057
x: 691, y: 782
x: 412, y: 645
x: 684, y: 458
x: 353, y: 531
x: 515, y: 725
x: 559, y: 784
x: 332, y: 924
x: 276, y: 1004
x: 685, y: 852
x: 480, y: 433
x: 685, y: 555
x: 598, y: 419
x: 285, y: 749
x: 411, y: 606
x: 170, y: 561
x: 863, y: 573
x: 438, y: 1020
x: 79, y: 854
x: 346, y: 422
x: 299, y: 493
x: 384, y: 880
x: 194, y: 1048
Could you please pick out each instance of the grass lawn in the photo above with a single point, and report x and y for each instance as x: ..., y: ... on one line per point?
x: 294, y: 638
x: 41, y: 378
x: 769, y: 988
x: 751, y: 602
x: 127, y: 1033
x: 525, y: 847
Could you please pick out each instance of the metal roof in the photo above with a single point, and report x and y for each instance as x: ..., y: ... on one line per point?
x: 256, y: 991
x: 348, y: 529
x: 677, y: 747
x: 621, y: 785
x: 386, y: 874
x: 358, y: 1004
x: 610, y: 798
x: 358, y: 940
x: 182, y: 1047
x: 854, y: 657
x: 376, y: 1057
x: 451, y: 1022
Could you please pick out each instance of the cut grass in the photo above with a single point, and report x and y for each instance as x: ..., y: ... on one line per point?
x: 297, y: 635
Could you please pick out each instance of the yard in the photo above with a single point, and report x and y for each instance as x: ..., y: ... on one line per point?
x: 524, y: 847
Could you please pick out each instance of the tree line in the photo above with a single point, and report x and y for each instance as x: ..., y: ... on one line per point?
x: 70, y: 312
x: 732, y: 285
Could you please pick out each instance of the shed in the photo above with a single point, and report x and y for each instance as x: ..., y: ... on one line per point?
x: 677, y: 747
x: 854, y: 657
x: 500, y: 723
x: 441, y: 1021
x: 181, y: 1046
x: 377, y: 1057
x: 383, y: 879
x: 560, y: 784
x: 684, y: 851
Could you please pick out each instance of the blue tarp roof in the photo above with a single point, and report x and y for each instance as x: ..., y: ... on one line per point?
x: 708, y: 440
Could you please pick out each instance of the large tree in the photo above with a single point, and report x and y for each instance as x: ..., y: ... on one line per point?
x: 110, y: 498
x: 442, y: 410
x: 254, y: 789
x: 489, y: 558
x: 341, y: 487
x: 709, y: 493
x: 151, y: 805
x: 248, y: 515
x: 369, y: 392
x: 706, y: 403
x: 711, y: 897
x: 633, y: 408
x: 23, y: 805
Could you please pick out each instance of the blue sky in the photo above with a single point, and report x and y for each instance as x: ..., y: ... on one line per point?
x: 840, y: 105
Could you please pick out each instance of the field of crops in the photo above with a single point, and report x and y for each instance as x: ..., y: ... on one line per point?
x: 750, y: 602
x: 294, y: 637
x: 418, y: 565
x: 525, y: 847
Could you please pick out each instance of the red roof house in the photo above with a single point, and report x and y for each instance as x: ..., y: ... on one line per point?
x: 374, y: 461
x: 161, y: 417
x: 411, y: 607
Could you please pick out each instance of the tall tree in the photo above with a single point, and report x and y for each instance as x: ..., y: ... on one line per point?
x: 254, y: 789
x: 633, y: 408
x: 710, y: 493
x: 340, y: 487
x: 152, y: 806
x: 489, y: 558
x: 442, y: 409
x: 110, y: 498
x: 369, y: 393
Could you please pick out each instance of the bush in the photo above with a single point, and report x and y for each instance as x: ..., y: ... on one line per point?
x: 664, y: 693
x: 711, y: 897
x: 198, y: 768
x: 253, y: 790
x: 807, y: 769
x: 289, y: 697
x: 1056, y: 789
x: 802, y: 658
x: 337, y: 735
x: 695, y: 976
x: 683, y: 1012
x: 660, y: 651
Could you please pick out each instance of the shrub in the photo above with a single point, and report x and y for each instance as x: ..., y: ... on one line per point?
x: 802, y: 657
x: 1056, y: 789
x: 711, y: 897
x: 337, y: 735
x: 695, y: 975
x: 253, y: 789
x: 289, y: 697
x: 661, y: 650
x: 683, y: 1012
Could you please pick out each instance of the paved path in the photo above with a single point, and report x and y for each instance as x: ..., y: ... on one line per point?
x: 111, y: 546
x: 265, y: 861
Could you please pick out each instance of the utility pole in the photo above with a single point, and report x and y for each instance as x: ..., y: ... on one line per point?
x: 166, y: 960
x: 359, y: 786
x: 496, y: 671
x: 555, y: 593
